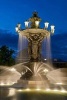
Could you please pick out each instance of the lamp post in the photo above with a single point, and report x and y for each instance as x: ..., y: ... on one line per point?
x: 35, y: 35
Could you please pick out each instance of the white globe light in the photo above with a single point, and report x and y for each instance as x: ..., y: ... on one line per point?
x: 52, y: 28
x: 46, y: 24
x: 26, y: 23
x: 16, y: 29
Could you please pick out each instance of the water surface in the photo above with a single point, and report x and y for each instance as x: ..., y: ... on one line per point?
x: 14, y: 94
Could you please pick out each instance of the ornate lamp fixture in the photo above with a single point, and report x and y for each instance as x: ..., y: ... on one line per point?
x: 34, y: 34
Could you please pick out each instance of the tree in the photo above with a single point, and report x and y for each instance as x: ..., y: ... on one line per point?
x: 6, y: 56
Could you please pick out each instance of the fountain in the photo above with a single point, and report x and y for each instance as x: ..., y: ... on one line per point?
x: 35, y: 72
x: 31, y: 78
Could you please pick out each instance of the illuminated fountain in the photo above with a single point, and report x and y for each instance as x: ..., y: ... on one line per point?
x: 30, y: 78
x: 34, y: 71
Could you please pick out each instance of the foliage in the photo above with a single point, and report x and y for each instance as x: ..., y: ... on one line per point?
x: 6, y: 56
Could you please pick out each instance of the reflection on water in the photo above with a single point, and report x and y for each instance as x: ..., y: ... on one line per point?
x: 12, y: 92
x: 7, y: 93
x: 16, y: 94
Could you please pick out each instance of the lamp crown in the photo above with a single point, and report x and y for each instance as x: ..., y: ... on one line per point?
x: 35, y: 14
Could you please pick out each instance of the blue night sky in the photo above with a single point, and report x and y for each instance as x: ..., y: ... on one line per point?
x: 17, y: 11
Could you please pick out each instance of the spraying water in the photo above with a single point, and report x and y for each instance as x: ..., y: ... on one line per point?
x: 8, y: 76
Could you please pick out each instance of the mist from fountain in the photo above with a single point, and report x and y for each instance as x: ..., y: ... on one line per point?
x: 8, y: 76
x: 58, y: 76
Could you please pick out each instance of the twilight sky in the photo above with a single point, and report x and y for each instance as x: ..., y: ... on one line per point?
x: 17, y: 11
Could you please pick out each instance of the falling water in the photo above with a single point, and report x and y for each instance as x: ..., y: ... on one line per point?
x: 22, y: 45
x: 48, y: 50
x: 43, y: 50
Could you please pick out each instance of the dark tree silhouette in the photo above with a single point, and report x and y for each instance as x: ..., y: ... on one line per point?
x: 6, y: 56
